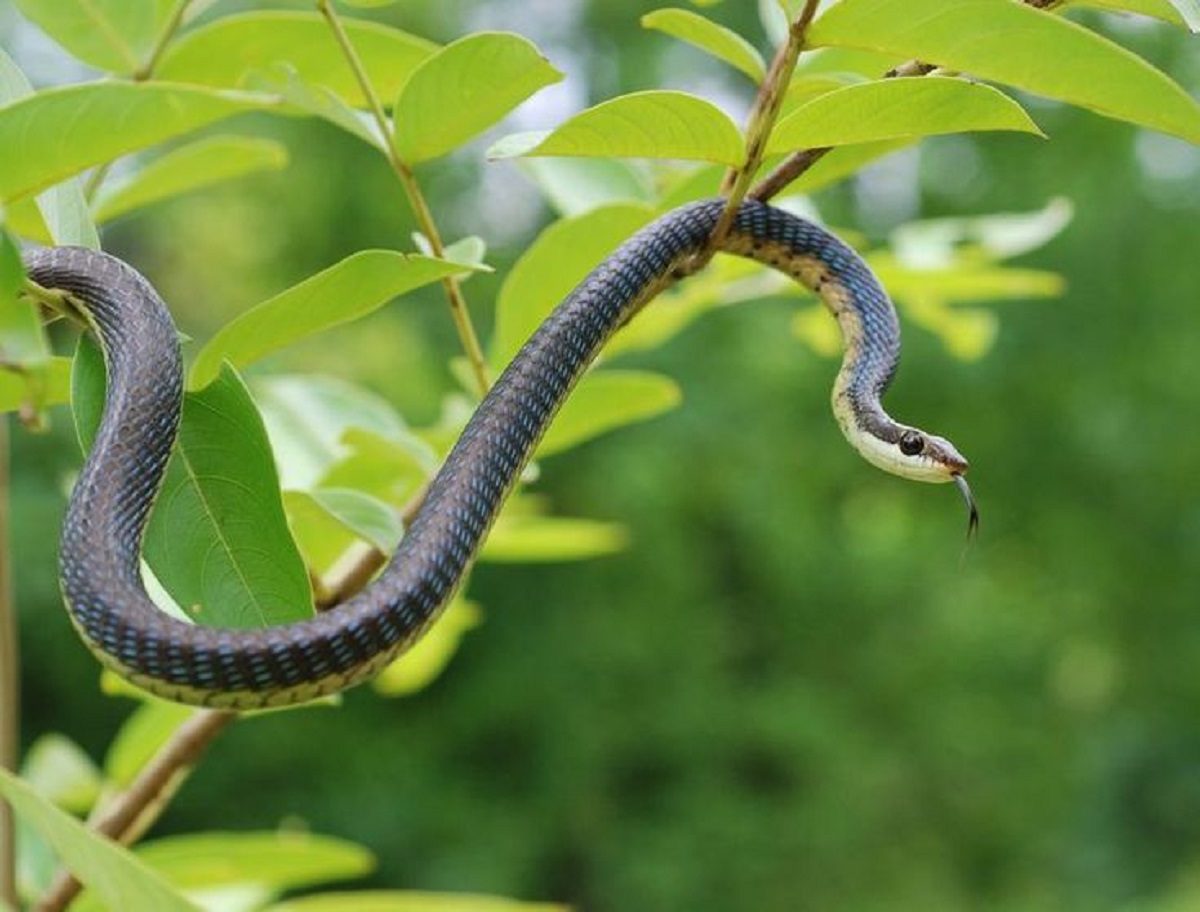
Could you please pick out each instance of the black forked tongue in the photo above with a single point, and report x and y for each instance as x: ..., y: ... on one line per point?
x: 960, y: 482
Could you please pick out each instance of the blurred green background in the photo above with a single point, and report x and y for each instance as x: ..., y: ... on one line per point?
x: 794, y: 690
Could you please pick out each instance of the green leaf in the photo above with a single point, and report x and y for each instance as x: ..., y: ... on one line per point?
x: 1177, y: 12
x: 327, y: 521
x: 120, y: 880
x: 540, y: 539
x: 386, y: 901
x: 936, y: 242
x: 367, y: 517
x: 218, y: 538
x: 191, y: 167
x: 58, y: 769
x: 553, y: 265
x: 31, y: 388
x: 141, y: 736
x: 285, y: 860
x: 574, y: 186
x: 897, y: 109
x: 606, y: 400
x: 79, y: 126
x: 964, y: 282
x: 390, y: 470
x: 113, y: 35
x: 842, y: 162
x: 230, y: 51
x: 657, y: 124
x: 1015, y: 44
x: 316, y: 100
x: 352, y: 288
x: 420, y: 665
x: 465, y: 88
x: 723, y: 43
x: 308, y: 415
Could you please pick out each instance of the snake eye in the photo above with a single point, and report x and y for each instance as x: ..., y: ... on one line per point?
x: 911, y: 443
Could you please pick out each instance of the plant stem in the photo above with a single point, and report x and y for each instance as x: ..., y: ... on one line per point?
x: 132, y: 812
x: 408, y: 180
x: 762, y: 119
x: 9, y: 681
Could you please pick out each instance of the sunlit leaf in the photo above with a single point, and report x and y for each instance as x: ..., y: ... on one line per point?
x: 1021, y: 46
x: 191, y: 167
x: 605, y: 400
x: 554, y: 264
x: 283, y: 80
x: 58, y: 769
x: 656, y: 124
x: 352, y: 288
x: 75, y: 127
x: 31, y: 388
x: 465, y: 88
x: 327, y: 521
x: 897, y: 109
x: 965, y: 282
x: 120, y: 880
x: 229, y: 51
x: 574, y: 186
x: 421, y: 664
x: 936, y: 242
x: 389, y: 469
x: 723, y: 43
x: 218, y: 537
x: 384, y: 901
x: 540, y: 539
x: 1178, y: 12
x: 112, y: 35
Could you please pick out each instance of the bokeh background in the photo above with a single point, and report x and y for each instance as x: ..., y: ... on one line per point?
x: 794, y: 690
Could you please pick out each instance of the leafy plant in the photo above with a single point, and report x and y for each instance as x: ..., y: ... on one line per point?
x: 333, y: 471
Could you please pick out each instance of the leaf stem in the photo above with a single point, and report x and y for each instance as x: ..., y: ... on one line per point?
x: 133, y: 811
x: 424, y: 216
x: 9, y: 681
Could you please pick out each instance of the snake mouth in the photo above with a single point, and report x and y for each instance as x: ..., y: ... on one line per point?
x: 960, y: 482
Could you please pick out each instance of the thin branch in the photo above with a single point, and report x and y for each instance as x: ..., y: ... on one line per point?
x: 132, y: 812
x: 761, y: 121
x: 10, y: 681
x: 408, y: 180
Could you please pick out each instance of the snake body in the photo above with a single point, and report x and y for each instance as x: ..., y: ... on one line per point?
x: 110, y: 505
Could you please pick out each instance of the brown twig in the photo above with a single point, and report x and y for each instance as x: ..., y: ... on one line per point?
x: 134, y: 810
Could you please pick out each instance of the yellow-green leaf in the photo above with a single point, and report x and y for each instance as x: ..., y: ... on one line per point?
x: 898, y: 109
x: 230, y: 51
x: 1177, y: 12
x: 119, y: 878
x: 32, y: 388
x: 191, y: 167
x: 59, y: 770
x: 465, y: 88
x: 405, y: 901
x: 352, y: 288
x: 421, y: 664
x: 541, y: 539
x: 717, y: 40
x: 1015, y: 44
x: 656, y: 124
x: 76, y: 127
x: 574, y: 186
x: 606, y: 400
x: 113, y: 35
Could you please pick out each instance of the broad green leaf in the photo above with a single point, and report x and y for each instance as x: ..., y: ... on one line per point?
x: 321, y: 537
x: 388, y: 469
x: 229, y: 51
x: 218, y: 538
x: 283, y: 80
x: 418, y: 667
x: 965, y: 282
x: 79, y: 126
x: 554, y: 264
x: 285, y: 860
x: 141, y: 736
x: 840, y: 60
x: 1177, y: 12
x: 31, y: 388
x: 842, y: 162
x: 352, y: 288
x: 60, y: 214
x: 58, y: 769
x: 327, y: 521
x: 113, y: 35
x: 1015, y: 44
x: 191, y: 167
x: 656, y: 124
x: 120, y: 880
x: 540, y: 539
x: 12, y: 280
x: 308, y: 415
x: 386, y: 901
x: 574, y: 186
x: 897, y: 109
x: 465, y: 88
x: 606, y: 400
x: 369, y: 518
x: 723, y: 43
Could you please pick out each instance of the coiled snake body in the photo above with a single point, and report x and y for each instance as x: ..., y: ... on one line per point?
x: 110, y: 504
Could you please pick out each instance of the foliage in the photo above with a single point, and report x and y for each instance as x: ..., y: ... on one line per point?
x: 332, y: 467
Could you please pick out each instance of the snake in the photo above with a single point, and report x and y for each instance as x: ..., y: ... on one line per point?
x: 110, y: 504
